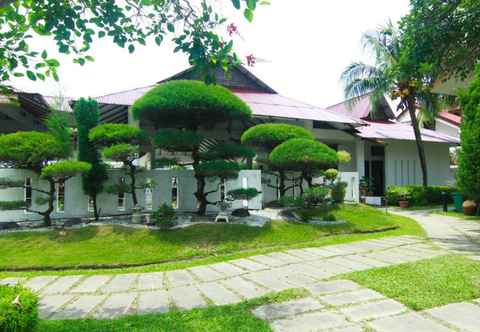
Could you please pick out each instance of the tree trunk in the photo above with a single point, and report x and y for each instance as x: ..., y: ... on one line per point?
x: 200, y: 195
x: 133, y: 183
x: 281, y: 184
x: 412, y: 108
x: 51, y: 198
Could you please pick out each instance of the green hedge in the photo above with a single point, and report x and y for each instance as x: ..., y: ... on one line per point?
x: 418, y: 195
x: 18, y: 309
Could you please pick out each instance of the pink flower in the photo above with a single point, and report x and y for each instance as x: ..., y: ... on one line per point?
x: 251, y: 60
x: 232, y: 29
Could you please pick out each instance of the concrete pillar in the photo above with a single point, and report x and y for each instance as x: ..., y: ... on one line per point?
x: 360, y: 157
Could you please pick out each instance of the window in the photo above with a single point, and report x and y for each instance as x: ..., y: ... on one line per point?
x: 61, y: 195
x: 245, y: 186
x: 378, y: 151
x: 148, y: 195
x: 175, y: 192
x: 121, y: 194
x: 223, y: 194
x: 321, y: 125
x: 28, y: 192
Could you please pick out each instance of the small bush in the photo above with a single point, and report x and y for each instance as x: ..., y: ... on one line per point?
x: 12, y: 205
x: 18, y: 309
x: 418, y: 195
x: 339, y: 190
x: 164, y: 217
x: 329, y: 217
x: 315, y: 196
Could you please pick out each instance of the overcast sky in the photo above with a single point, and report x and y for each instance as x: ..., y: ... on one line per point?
x: 307, y: 44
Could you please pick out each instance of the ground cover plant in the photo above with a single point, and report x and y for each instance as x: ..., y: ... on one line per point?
x: 114, y: 246
x: 18, y: 309
x: 425, y: 284
x: 236, y: 317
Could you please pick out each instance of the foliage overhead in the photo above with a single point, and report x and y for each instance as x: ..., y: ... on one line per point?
x: 468, y: 176
x: 30, y: 150
x: 270, y: 135
x: 76, y: 25
x: 219, y: 168
x: 440, y: 38
x: 58, y: 124
x: 228, y: 151
x: 109, y: 134
x: 177, y: 140
x: 121, y: 152
x: 65, y: 169
x: 190, y: 104
x: 303, y: 154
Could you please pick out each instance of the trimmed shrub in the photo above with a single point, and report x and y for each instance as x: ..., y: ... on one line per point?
x: 110, y: 134
x: 270, y: 135
x: 418, y: 195
x: 12, y: 205
x: 339, y: 190
x: 164, y: 217
x: 65, y: 169
x: 315, y: 196
x: 247, y: 194
x: 18, y: 309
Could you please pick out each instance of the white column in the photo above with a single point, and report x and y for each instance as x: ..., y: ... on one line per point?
x: 360, y: 157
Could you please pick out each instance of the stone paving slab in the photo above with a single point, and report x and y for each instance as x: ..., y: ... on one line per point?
x: 247, y: 289
x: 12, y: 281
x: 372, y: 310
x: 153, y: 302
x: 91, y: 284
x: 329, y: 267
x: 206, y: 273
x: 48, y: 305
x: 37, y: 283
x: 269, y: 280
x: 79, y: 308
x: 268, y: 260
x: 115, y: 305
x: 288, y: 259
x: 409, y: 322
x: 330, y: 287
x: 121, y: 283
x: 218, y: 294
x: 302, y: 254
x: 228, y: 269
x: 357, y: 296
x: 316, y: 321
x: 464, y: 316
x: 287, y: 309
x: 187, y: 298
x: 150, y: 281
x: 179, y: 278
x: 61, y: 285
x: 249, y: 265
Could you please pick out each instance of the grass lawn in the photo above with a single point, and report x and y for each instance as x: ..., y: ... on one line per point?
x: 457, y: 215
x: 95, y: 250
x: 425, y: 284
x: 225, y: 318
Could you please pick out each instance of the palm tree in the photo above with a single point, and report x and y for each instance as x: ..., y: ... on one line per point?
x: 384, y: 78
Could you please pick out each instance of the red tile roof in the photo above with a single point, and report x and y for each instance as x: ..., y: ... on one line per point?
x: 451, y: 118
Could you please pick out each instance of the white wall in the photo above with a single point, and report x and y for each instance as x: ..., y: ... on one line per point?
x: 402, y: 165
x: 76, y: 202
x: 447, y: 128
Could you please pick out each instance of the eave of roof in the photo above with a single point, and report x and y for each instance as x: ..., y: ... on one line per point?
x: 450, y: 118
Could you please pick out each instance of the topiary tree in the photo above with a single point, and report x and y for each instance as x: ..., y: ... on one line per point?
x: 121, y: 143
x: 267, y: 137
x: 307, y: 156
x: 88, y: 117
x: 468, y: 176
x: 42, y: 154
x: 179, y: 111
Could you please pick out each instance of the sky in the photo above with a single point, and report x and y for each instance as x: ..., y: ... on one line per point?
x: 304, y: 45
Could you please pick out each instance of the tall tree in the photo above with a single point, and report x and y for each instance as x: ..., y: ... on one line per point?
x: 88, y: 117
x: 76, y: 25
x: 386, y: 77
x: 180, y: 111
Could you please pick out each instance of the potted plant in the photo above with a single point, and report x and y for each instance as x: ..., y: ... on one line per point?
x: 404, y: 198
x: 469, y: 208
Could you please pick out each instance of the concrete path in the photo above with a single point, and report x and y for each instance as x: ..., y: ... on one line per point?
x: 109, y: 296
x: 344, y: 306
x: 457, y: 235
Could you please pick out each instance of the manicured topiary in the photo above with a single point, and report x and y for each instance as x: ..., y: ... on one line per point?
x: 244, y: 194
x: 87, y: 115
x: 193, y: 102
x: 64, y: 169
x: 178, y: 110
x: 344, y: 157
x: 18, y: 309
x: 270, y: 135
x: 120, y: 142
x: 304, y: 155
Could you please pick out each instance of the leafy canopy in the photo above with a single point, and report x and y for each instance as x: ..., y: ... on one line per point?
x: 110, y: 134
x: 121, y: 152
x: 177, y: 140
x: 270, y: 135
x: 302, y: 154
x: 30, y: 150
x: 65, y: 169
x: 190, y: 104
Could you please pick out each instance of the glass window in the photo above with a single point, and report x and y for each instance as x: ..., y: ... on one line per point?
x: 148, y: 195
x: 61, y: 196
x: 223, y: 189
x: 90, y: 205
x: 121, y: 195
x: 28, y: 192
x: 175, y: 192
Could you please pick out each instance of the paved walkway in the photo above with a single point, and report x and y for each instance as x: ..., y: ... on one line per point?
x: 108, y: 296
x: 457, y: 235
x: 344, y: 306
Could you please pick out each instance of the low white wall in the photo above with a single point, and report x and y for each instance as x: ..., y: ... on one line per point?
x: 76, y: 202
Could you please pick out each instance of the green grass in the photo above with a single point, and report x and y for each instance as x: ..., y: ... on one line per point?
x: 425, y: 284
x: 456, y: 214
x: 224, y: 318
x: 95, y: 250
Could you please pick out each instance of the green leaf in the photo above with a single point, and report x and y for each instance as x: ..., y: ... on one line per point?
x: 44, y: 54
x: 89, y: 58
x: 170, y: 27
x: 248, y: 14
x: 236, y: 3
x: 18, y: 74
x: 31, y: 75
x: 101, y: 34
x: 131, y: 48
x: 252, y: 4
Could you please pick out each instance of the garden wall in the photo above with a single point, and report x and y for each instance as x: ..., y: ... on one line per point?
x: 76, y: 202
